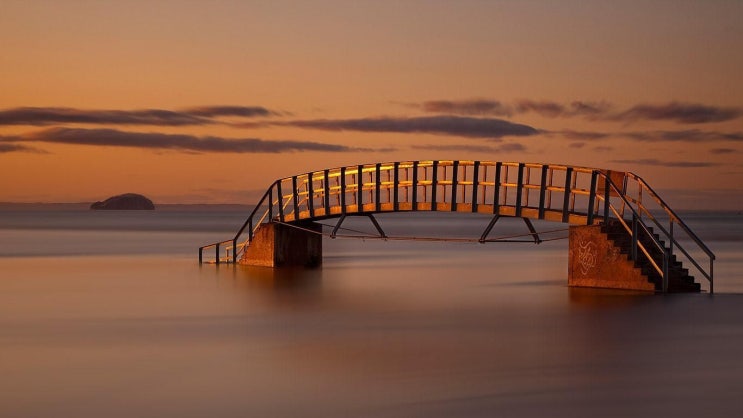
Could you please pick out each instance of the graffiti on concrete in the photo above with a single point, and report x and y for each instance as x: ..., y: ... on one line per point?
x: 587, y: 256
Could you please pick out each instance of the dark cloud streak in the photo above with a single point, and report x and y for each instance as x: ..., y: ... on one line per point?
x: 689, y: 135
x: 670, y: 164
x: 242, y: 111
x: 7, y: 147
x: 182, y: 143
x: 687, y: 113
x: 504, y: 148
x: 472, y: 107
x: 723, y: 151
x: 44, y: 116
x: 436, y: 125
x: 692, y: 113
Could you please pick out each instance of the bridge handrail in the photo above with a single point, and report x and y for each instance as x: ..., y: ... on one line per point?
x: 636, y: 243
x: 633, y: 231
x: 514, y: 185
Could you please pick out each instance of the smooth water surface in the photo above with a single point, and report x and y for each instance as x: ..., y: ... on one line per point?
x: 110, y: 315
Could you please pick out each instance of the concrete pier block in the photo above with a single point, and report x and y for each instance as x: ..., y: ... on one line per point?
x: 594, y: 261
x: 277, y: 245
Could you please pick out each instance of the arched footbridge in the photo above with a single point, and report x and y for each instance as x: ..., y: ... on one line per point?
x: 632, y: 216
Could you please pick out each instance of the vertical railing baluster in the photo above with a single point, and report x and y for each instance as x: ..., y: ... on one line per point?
x: 434, y: 178
x: 270, y: 204
x: 666, y: 260
x: 573, y: 186
x: 496, y: 190
x: 415, y: 186
x: 550, y: 178
x: 566, y: 196
x: 295, y: 198
x: 635, y: 229
x: 592, y: 197
x: 670, y: 232
x: 542, y: 191
x: 343, y: 190
x: 607, y: 196
x: 475, y: 184
x: 711, y: 276
x: 454, y: 174
x: 281, y: 201
x: 378, y: 187
x: 360, y: 189
x: 326, y: 191
x: 463, y: 199
x: 519, y: 188
x: 396, y: 187
x: 310, y: 195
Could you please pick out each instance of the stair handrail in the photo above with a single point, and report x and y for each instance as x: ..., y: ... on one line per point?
x: 672, y: 214
x: 609, y: 183
x: 633, y: 230
x: 674, y: 218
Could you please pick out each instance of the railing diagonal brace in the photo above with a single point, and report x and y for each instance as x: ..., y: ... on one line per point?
x: 489, y: 228
x: 337, y: 226
x: 376, y: 225
x: 533, y: 231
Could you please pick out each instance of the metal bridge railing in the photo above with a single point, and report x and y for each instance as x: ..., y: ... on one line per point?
x: 552, y: 192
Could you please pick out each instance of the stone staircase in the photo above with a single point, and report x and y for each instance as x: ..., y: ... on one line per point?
x: 679, y: 279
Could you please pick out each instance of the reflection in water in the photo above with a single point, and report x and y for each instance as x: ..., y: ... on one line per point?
x: 588, y: 298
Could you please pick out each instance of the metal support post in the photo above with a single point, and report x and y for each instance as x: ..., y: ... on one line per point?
x: 489, y: 228
x: 337, y: 226
x: 376, y: 225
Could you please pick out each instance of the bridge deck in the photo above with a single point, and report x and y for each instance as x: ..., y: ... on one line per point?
x: 484, y: 209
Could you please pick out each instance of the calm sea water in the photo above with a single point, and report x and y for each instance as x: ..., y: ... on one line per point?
x: 108, y: 314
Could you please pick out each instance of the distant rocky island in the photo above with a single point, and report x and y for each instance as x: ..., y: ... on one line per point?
x: 127, y: 201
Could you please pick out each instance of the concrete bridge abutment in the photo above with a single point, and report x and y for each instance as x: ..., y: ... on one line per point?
x: 594, y: 261
x: 279, y: 245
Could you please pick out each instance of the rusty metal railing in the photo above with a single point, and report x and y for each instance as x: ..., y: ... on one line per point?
x: 560, y: 193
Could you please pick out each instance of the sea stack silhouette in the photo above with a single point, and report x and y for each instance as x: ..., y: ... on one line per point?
x: 127, y: 201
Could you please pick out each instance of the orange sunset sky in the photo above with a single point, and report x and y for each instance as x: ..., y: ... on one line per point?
x: 210, y: 101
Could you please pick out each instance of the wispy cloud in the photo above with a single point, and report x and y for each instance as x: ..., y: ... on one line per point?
x: 471, y: 107
x: 503, y: 148
x: 690, y: 135
x: 680, y: 112
x: 436, y: 125
x: 603, y: 148
x: 6, y: 147
x: 44, y: 116
x: 552, y: 109
x: 183, y: 143
x: 241, y: 111
x: 673, y: 164
x: 582, y: 135
x: 723, y: 151
x: 692, y: 113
